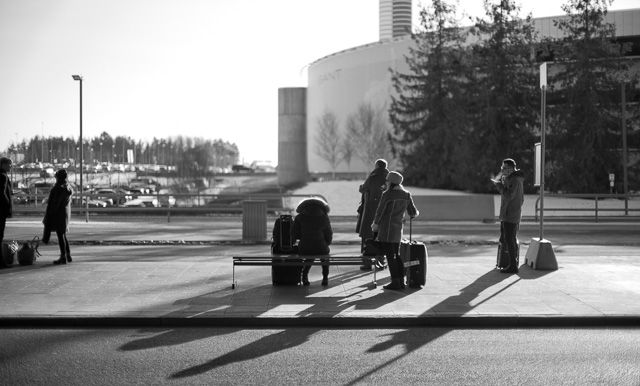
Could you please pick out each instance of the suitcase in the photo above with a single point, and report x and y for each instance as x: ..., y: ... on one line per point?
x: 502, y: 260
x: 415, y: 258
x: 283, y: 244
x: 286, y: 275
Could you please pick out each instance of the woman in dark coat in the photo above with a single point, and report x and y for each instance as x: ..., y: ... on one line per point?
x: 56, y: 218
x: 395, y: 201
x: 313, y: 228
x: 371, y: 190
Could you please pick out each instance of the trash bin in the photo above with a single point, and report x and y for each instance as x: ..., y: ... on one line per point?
x: 254, y: 220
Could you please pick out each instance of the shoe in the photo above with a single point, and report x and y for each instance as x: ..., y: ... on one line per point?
x: 325, y: 281
x: 365, y: 268
x: 509, y: 270
x: 61, y: 260
x: 69, y: 259
x: 393, y: 286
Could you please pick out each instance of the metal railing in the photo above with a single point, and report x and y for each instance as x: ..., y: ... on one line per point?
x: 596, y: 209
x: 182, y: 203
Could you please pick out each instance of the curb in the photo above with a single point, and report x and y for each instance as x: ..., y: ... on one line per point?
x: 484, y: 322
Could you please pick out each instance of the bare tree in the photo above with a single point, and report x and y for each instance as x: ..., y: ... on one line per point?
x: 329, y: 139
x: 367, y: 131
x: 347, y: 151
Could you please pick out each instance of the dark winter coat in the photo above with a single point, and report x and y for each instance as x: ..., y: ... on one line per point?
x: 6, y: 203
x: 58, y: 208
x: 312, y: 227
x: 511, y: 197
x: 371, y: 191
x: 390, y: 214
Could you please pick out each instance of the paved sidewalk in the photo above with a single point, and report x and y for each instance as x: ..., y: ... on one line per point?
x: 138, y: 284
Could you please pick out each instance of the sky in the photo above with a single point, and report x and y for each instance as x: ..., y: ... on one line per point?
x: 160, y: 68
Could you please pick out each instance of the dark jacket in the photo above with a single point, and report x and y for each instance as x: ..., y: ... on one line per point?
x: 312, y: 227
x: 58, y: 208
x: 390, y: 214
x: 371, y: 191
x: 6, y: 204
x: 511, y: 197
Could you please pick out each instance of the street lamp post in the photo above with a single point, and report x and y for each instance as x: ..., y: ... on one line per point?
x: 79, y: 78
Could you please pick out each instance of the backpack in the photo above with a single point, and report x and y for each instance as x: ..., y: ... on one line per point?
x: 281, y: 241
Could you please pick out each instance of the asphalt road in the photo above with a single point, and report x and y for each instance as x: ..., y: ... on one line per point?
x: 417, y: 356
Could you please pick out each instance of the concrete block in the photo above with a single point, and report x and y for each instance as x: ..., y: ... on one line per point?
x: 540, y: 255
x: 469, y: 207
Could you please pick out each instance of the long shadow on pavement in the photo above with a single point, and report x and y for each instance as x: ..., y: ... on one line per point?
x: 412, y: 341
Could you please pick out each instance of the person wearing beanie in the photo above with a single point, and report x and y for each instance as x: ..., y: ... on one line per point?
x: 313, y: 228
x: 395, y: 201
x: 57, y: 215
x: 371, y: 190
x: 510, y: 185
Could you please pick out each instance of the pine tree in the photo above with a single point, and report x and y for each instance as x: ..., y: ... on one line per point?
x: 584, y: 114
x: 427, y: 113
x: 503, y: 101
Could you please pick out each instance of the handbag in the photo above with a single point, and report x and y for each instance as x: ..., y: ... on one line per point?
x: 372, y: 248
x: 28, y: 253
x: 9, y: 249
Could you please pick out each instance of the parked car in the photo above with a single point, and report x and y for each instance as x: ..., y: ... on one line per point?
x: 140, y: 202
x: 241, y: 169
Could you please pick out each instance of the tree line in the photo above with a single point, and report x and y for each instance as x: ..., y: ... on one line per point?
x: 188, y: 154
x: 462, y: 107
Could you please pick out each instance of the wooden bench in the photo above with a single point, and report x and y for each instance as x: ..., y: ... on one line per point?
x: 256, y: 260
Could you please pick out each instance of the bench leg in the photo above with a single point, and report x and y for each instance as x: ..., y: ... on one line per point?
x: 374, y: 283
x: 233, y: 277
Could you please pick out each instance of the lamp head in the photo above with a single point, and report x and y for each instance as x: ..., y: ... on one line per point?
x: 76, y: 77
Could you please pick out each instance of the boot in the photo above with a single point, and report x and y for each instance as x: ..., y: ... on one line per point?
x: 394, y: 285
x: 61, y: 260
x: 69, y: 259
x: 325, y: 275
x: 513, y: 265
x: 305, y: 275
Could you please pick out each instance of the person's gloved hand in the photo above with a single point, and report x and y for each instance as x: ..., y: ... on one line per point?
x: 374, y: 227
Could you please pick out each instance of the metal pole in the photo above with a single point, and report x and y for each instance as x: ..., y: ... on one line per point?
x: 86, y: 212
x: 624, y: 151
x: 542, y: 151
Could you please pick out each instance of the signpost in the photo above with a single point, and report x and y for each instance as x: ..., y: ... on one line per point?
x: 540, y: 254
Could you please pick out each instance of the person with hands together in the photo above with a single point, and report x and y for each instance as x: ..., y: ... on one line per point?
x: 388, y: 223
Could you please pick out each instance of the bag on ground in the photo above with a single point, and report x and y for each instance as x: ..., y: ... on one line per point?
x: 28, y: 253
x: 283, y: 244
x: 9, y: 249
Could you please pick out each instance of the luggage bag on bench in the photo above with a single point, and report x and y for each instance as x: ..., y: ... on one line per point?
x: 282, y: 244
x: 415, y: 258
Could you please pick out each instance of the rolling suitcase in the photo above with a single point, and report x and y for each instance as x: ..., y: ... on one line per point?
x: 283, y: 244
x: 503, y: 255
x: 415, y: 258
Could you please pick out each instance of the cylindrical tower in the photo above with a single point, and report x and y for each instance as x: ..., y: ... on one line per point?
x: 292, y: 136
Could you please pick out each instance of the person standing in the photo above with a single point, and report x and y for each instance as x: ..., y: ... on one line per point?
x: 57, y: 215
x: 371, y: 190
x: 6, y: 203
x: 510, y: 185
x: 313, y: 228
x: 395, y: 201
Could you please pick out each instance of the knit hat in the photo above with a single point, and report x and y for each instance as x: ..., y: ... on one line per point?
x: 395, y: 178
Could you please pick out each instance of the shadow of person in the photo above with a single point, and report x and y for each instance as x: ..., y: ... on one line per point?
x: 267, y: 345
x: 460, y: 304
x: 173, y: 337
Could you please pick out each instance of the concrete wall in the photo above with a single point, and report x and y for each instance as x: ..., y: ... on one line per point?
x: 476, y: 207
x: 292, y: 136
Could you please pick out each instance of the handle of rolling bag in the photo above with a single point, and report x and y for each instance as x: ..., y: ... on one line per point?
x: 408, y: 269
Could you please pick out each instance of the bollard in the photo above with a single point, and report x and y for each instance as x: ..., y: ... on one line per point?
x: 540, y: 255
x: 254, y: 220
